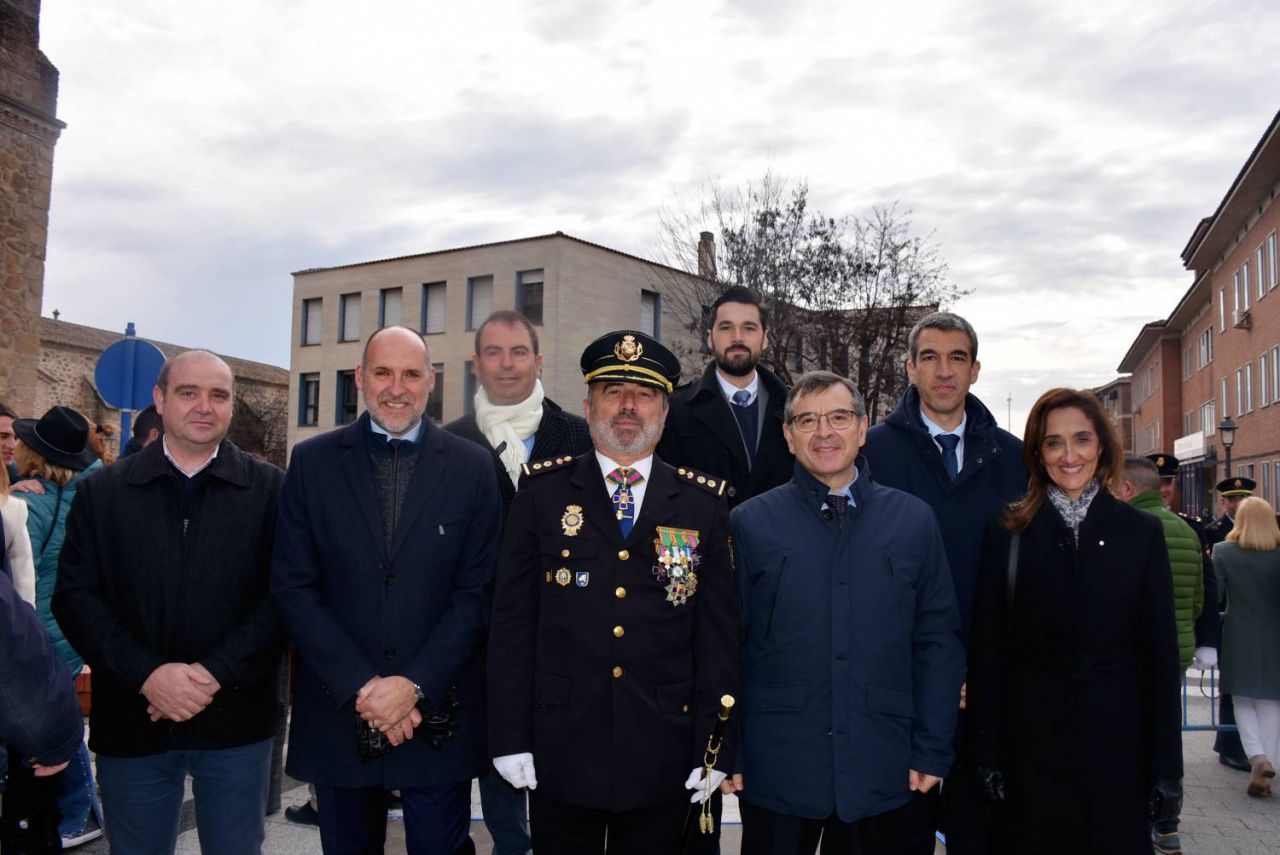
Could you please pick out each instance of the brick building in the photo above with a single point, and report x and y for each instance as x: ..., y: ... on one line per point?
x: 1217, y: 352
x: 29, y: 128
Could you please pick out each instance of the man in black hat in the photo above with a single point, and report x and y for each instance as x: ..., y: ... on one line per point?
x: 615, y: 624
x: 1231, y: 492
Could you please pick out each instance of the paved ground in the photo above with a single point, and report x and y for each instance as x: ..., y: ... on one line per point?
x: 1218, y: 818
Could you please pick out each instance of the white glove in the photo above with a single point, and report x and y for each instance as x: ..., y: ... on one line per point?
x: 1206, y: 658
x: 699, y: 789
x: 517, y: 770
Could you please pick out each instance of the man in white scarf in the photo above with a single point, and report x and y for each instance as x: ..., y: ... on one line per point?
x: 508, y: 426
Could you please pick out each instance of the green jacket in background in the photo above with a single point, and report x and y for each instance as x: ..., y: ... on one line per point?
x: 1186, y: 562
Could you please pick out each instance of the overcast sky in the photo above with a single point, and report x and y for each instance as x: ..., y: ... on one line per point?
x: 1060, y: 153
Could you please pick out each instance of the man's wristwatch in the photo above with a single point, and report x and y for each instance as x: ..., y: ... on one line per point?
x: 418, y: 694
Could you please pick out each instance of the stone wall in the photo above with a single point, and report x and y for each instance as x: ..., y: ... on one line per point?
x: 28, y: 132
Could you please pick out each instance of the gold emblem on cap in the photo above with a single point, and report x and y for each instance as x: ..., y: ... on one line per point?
x: 628, y: 350
x: 1239, y: 484
x: 1160, y: 462
x: 571, y: 521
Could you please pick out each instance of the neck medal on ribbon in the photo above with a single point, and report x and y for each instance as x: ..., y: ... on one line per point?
x: 677, y: 562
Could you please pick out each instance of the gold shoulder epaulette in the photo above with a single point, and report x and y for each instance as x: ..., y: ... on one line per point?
x: 546, y: 465
x: 710, y: 483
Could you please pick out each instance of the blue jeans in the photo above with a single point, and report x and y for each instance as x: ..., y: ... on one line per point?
x: 504, y: 815
x: 79, y: 796
x: 142, y: 799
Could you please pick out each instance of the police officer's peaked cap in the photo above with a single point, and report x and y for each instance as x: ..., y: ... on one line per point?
x: 1166, y: 463
x: 630, y: 356
x: 1238, y: 486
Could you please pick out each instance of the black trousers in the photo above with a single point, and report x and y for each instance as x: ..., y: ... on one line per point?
x: 353, y: 820
x: 767, y: 833
x: 29, y: 825
x: 560, y: 829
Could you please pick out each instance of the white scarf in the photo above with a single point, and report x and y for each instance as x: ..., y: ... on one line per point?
x: 511, y: 424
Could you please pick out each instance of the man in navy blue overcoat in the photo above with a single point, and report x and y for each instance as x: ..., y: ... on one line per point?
x: 383, y: 569
x: 852, y: 661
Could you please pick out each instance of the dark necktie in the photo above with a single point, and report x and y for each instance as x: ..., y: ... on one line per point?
x: 745, y: 413
x: 948, y: 442
x: 839, y: 503
x: 624, y: 505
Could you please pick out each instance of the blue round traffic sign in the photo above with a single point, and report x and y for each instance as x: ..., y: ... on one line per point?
x: 127, y: 372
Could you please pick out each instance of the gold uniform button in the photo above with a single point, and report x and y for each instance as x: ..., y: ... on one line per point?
x: 564, y: 553
x: 617, y: 671
x: 620, y: 593
x: 618, y: 632
x: 624, y: 554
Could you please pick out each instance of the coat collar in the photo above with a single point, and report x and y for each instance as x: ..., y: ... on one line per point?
x: 658, y: 507
x: 230, y: 464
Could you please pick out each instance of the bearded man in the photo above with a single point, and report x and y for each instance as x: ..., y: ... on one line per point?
x: 615, y: 623
x: 729, y: 423
x: 383, y: 562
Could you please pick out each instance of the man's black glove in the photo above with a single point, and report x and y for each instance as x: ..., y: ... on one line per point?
x: 1165, y: 803
x: 439, y: 724
x: 991, y: 784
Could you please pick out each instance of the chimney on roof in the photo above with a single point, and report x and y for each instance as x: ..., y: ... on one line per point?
x: 707, y: 255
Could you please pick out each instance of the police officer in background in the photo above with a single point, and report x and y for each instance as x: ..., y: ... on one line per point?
x: 615, y: 623
x: 1231, y: 492
x: 1209, y: 624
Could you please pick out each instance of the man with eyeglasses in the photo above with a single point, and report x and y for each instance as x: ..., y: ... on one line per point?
x: 943, y: 446
x: 852, y: 658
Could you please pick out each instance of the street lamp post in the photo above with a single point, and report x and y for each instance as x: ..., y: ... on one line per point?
x: 1227, y: 431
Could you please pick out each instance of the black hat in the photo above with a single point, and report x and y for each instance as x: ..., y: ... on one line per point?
x: 1166, y: 463
x: 1230, y: 488
x: 61, y: 436
x: 630, y: 356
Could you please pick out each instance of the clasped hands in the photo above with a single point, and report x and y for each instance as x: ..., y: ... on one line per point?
x: 179, y: 691
x: 390, y: 704
x: 917, y: 782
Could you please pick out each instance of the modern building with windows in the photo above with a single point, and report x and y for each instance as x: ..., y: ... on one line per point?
x: 1216, y: 354
x: 571, y: 289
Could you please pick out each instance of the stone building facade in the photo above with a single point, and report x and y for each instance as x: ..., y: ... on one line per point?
x: 29, y: 128
x: 69, y: 354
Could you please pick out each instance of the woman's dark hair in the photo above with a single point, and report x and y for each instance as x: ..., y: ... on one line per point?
x: 1110, y: 451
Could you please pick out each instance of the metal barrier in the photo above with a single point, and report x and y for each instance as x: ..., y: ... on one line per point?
x: 1200, y: 690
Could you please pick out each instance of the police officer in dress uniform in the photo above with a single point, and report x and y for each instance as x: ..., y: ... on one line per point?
x: 615, y: 623
x: 1231, y: 491
x: 1209, y: 624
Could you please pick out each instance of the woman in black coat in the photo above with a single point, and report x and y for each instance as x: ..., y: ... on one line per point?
x: 1074, y: 681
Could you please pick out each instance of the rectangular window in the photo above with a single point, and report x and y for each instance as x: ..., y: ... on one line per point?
x: 1248, y: 387
x: 1266, y: 481
x: 433, y: 307
x: 390, y: 307
x: 1273, y: 267
x: 529, y: 295
x: 479, y: 300
x: 1209, y: 418
x: 1204, y: 348
x: 1224, y: 404
x: 311, y: 320
x: 1188, y: 422
x: 1259, y: 264
x: 1187, y: 362
x: 1264, y: 379
x: 1275, y: 374
x: 348, y: 398
x: 349, y: 318
x: 1222, y: 310
x: 435, y: 401
x: 1149, y: 439
x: 468, y: 388
x: 308, y: 400
x: 1239, y: 391
x: 651, y: 313
x: 1244, y: 283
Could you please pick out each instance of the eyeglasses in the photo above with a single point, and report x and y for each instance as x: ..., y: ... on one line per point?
x: 836, y: 420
